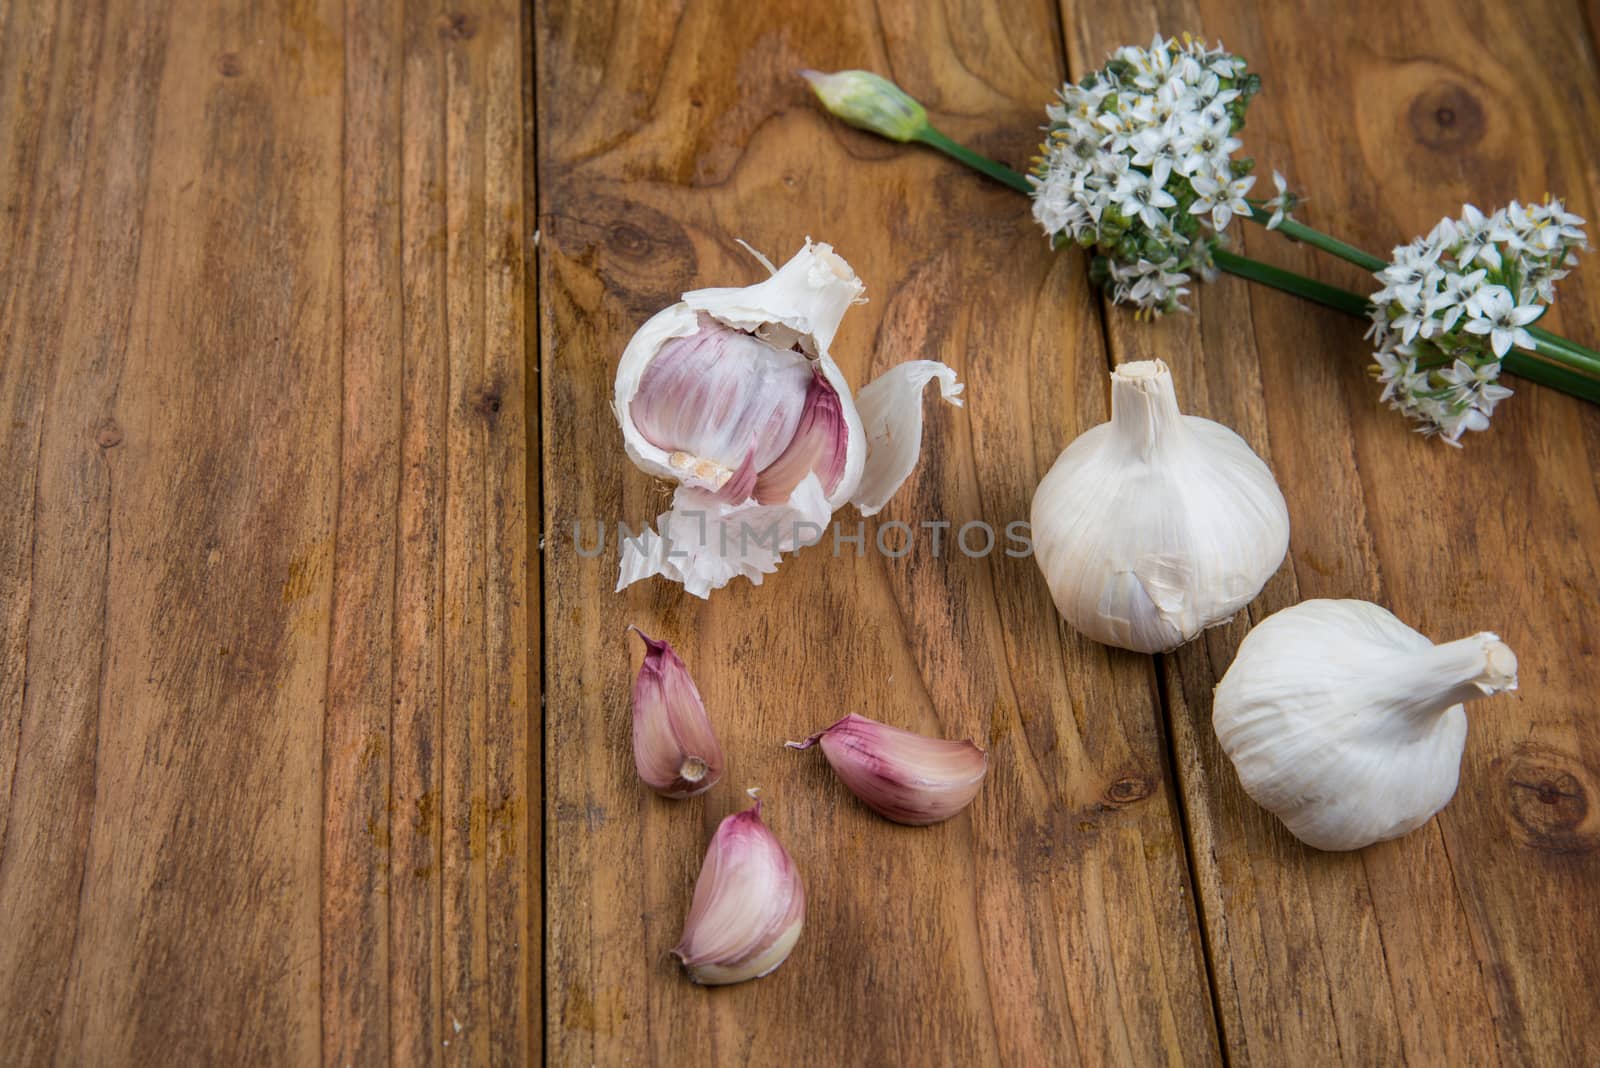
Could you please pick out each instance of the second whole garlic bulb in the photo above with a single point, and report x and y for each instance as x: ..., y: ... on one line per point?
x: 1156, y: 525
x: 1347, y: 724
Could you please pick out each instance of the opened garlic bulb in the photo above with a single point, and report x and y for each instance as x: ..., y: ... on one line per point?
x: 1156, y: 525
x: 1347, y: 724
x: 732, y: 395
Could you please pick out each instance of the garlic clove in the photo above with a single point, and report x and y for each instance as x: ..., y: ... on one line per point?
x: 749, y: 905
x: 901, y: 775
x: 1156, y: 525
x: 720, y: 396
x: 675, y: 750
x: 804, y: 438
x: 1347, y: 724
x: 820, y: 443
x: 739, y: 485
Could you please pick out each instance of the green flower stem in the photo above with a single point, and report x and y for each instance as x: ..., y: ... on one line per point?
x: 1582, y: 363
x: 1290, y: 282
x: 1299, y: 231
x: 1560, y: 348
x: 1554, y: 346
x: 1554, y: 375
x: 961, y: 153
x: 1558, y: 375
x: 1561, y: 368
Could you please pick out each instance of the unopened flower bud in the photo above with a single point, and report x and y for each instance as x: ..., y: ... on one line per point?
x: 869, y: 102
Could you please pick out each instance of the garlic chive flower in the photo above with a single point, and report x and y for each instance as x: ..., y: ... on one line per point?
x: 1281, y: 205
x: 1455, y: 302
x: 1138, y: 164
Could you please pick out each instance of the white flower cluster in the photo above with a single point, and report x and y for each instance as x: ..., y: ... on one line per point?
x: 1138, y: 164
x: 1454, y: 303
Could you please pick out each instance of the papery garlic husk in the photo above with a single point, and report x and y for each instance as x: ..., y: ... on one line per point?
x: 749, y: 905
x: 732, y: 394
x: 899, y: 774
x: 1347, y: 724
x: 674, y: 748
x: 1156, y: 525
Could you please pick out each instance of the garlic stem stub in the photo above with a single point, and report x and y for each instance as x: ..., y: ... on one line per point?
x: 1156, y: 525
x: 901, y: 775
x: 674, y: 748
x: 732, y: 395
x: 1347, y: 724
x: 749, y: 905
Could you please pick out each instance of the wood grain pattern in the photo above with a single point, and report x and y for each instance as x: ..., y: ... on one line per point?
x: 287, y: 394
x: 265, y: 569
x: 1054, y: 921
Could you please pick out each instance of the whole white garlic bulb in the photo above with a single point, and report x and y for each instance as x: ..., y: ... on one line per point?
x: 732, y: 394
x: 1156, y: 525
x: 1347, y: 724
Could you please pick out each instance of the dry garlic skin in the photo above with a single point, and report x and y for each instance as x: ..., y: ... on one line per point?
x: 1347, y: 724
x: 1156, y: 525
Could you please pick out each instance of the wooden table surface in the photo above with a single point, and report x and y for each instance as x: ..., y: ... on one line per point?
x: 314, y: 728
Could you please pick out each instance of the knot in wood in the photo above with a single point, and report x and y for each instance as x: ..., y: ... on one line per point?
x: 1127, y: 790
x: 628, y: 240
x: 1548, y: 802
x: 457, y: 26
x: 1447, y: 117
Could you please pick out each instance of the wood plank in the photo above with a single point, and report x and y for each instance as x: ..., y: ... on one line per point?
x: 415, y: 936
x: 1055, y: 921
x: 198, y: 375
x: 34, y: 260
x: 362, y: 665
x: 1430, y: 949
x: 57, y: 525
x: 270, y: 515
x: 447, y: 874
